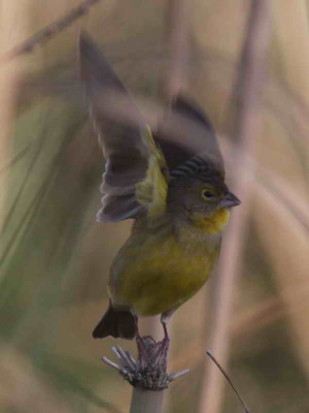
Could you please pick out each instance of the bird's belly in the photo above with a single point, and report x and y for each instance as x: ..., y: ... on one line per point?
x: 163, y: 276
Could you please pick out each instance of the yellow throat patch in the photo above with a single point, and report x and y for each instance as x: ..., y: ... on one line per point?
x: 213, y: 224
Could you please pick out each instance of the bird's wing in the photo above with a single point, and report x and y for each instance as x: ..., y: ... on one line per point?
x: 135, y: 180
x: 186, y: 134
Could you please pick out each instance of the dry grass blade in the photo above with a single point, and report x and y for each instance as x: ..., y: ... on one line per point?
x: 178, y: 26
x: 285, y: 194
x: 10, y: 77
x: 178, y: 44
x: 249, y: 86
x: 290, y: 263
x: 177, y: 39
x: 51, y: 30
x: 228, y: 380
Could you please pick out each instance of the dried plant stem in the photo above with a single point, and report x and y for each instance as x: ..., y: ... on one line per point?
x: 249, y: 87
x: 146, y: 401
x: 174, y: 79
x: 12, y: 14
x: 175, y: 76
x: 147, y: 374
x: 178, y: 22
x: 266, y: 180
x: 51, y: 30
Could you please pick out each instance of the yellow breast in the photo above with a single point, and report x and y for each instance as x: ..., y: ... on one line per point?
x: 162, y: 274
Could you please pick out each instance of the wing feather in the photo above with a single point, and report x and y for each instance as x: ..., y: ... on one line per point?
x: 186, y: 132
x: 131, y: 156
x: 152, y: 191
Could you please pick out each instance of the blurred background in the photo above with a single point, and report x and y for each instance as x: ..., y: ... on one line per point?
x: 55, y: 258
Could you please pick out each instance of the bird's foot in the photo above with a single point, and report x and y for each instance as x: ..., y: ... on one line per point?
x: 152, y: 353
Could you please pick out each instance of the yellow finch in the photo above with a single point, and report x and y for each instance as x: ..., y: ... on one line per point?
x: 171, y: 182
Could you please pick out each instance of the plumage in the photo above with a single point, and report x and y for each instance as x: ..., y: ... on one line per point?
x: 171, y: 181
x: 136, y: 275
x: 185, y: 132
x: 125, y: 152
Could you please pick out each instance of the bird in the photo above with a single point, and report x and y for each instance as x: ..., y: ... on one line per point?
x: 171, y: 181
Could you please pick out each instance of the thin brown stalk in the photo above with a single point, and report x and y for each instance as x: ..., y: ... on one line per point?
x: 294, y: 295
x: 175, y: 76
x: 287, y: 248
x: 51, y: 30
x: 249, y: 87
x: 11, y: 15
x: 178, y: 23
x: 177, y: 39
x: 174, y: 79
x: 265, y: 313
x: 285, y: 194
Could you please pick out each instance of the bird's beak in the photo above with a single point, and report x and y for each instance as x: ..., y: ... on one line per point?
x: 229, y: 201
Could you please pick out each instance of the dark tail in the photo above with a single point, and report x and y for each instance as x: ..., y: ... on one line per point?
x: 116, y: 323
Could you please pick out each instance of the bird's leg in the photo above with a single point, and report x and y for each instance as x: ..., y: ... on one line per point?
x: 137, y: 334
x: 166, y: 340
x: 164, y: 322
x: 138, y: 337
x: 165, y: 319
x: 144, y: 346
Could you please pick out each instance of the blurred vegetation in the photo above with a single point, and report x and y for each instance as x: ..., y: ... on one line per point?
x: 55, y: 258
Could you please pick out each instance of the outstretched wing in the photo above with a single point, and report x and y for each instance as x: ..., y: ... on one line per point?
x: 187, y: 138
x: 132, y: 157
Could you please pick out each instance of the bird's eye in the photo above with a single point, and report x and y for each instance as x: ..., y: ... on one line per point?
x: 207, y: 194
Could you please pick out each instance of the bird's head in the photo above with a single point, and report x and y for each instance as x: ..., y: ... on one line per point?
x: 203, y: 200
